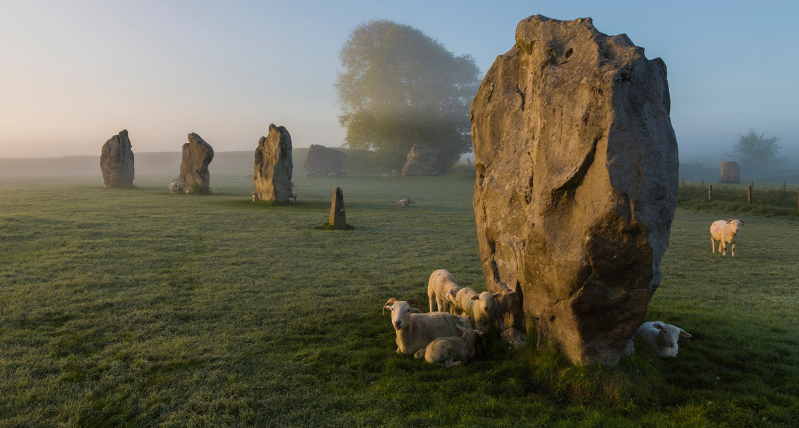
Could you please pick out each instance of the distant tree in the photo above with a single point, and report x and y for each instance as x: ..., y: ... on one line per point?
x: 400, y: 87
x: 756, y: 152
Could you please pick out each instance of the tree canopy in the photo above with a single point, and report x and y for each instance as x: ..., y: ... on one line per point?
x: 756, y: 151
x: 400, y: 87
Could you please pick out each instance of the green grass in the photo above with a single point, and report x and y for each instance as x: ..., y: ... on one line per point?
x: 134, y: 307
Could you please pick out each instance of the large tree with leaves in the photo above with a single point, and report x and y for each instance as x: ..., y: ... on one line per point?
x: 756, y: 152
x: 400, y: 87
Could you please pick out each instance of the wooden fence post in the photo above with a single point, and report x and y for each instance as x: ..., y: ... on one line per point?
x: 750, y: 195
x: 710, y: 192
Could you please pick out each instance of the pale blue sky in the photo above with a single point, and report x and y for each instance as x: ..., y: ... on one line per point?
x: 74, y: 73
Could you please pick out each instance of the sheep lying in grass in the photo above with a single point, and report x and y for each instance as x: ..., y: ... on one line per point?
x: 405, y: 202
x: 453, y: 351
x: 438, y: 289
x: 661, y: 337
x: 726, y: 232
x: 478, y: 307
x: 416, y: 330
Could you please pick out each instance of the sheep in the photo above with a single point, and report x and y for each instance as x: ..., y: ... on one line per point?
x: 725, y: 232
x: 438, y: 288
x: 416, y: 330
x: 173, y: 187
x: 393, y: 172
x: 453, y: 351
x: 332, y: 174
x: 661, y: 337
x: 478, y: 307
x: 385, y: 175
x: 405, y: 202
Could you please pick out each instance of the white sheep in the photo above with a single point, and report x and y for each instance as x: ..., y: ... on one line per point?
x: 332, y: 174
x: 416, y: 330
x: 726, y: 232
x: 385, y: 175
x: 173, y: 187
x: 478, y: 307
x: 453, y: 351
x: 661, y: 337
x: 438, y: 289
x: 405, y: 202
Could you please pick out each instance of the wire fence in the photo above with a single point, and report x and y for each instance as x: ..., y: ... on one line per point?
x: 753, y: 194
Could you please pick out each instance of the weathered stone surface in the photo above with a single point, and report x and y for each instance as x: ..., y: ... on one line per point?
x: 324, y: 160
x: 116, y: 161
x: 576, y: 187
x: 197, y: 154
x: 422, y: 161
x: 338, y: 218
x: 731, y: 172
x: 273, y: 166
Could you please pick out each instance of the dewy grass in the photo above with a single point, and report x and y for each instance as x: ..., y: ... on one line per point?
x: 130, y: 307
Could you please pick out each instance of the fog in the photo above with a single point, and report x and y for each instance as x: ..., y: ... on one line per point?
x: 82, y: 71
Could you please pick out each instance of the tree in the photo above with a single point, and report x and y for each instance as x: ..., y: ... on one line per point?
x: 400, y: 88
x: 756, y: 152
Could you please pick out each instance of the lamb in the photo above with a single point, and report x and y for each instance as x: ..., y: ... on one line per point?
x: 478, y: 307
x: 416, y: 330
x: 725, y: 232
x: 453, y: 351
x: 405, y: 202
x: 661, y: 337
x: 438, y: 288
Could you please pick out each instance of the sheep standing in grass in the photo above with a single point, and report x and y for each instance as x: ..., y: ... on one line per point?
x: 405, y: 202
x: 726, y: 232
x: 438, y: 289
x: 173, y: 187
x: 416, y: 330
x: 453, y: 351
x: 661, y: 337
x: 478, y: 307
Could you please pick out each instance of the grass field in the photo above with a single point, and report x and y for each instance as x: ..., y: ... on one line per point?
x: 140, y: 308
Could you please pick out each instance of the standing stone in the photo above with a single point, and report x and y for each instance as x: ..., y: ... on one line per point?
x: 422, y: 161
x: 324, y: 160
x: 468, y: 162
x: 116, y: 161
x: 577, y: 175
x: 273, y: 166
x: 197, y: 154
x: 731, y: 171
x: 338, y: 218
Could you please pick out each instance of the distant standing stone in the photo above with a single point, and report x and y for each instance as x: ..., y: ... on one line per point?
x: 324, y: 160
x: 197, y: 154
x: 116, y: 161
x: 338, y: 218
x: 422, y: 161
x: 731, y: 171
x: 273, y: 166
x: 468, y: 161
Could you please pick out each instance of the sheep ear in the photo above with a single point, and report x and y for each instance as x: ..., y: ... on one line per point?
x: 729, y: 220
x: 389, y: 304
x: 415, y: 311
x: 475, y: 297
x: 742, y: 222
x: 684, y: 333
x: 389, y: 307
x: 657, y: 326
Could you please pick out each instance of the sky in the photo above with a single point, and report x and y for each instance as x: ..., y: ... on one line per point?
x: 75, y: 73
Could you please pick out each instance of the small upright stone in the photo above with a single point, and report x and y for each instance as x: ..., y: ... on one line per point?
x: 324, y: 160
x: 422, y: 161
x: 116, y: 161
x: 731, y: 171
x: 273, y: 166
x: 197, y: 154
x: 338, y: 218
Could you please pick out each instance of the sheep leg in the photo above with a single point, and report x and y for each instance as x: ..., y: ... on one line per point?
x: 431, y: 297
x: 420, y: 353
x: 725, y: 248
x: 713, y: 245
x: 733, y: 249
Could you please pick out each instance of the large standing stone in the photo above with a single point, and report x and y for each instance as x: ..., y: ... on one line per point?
x: 273, y: 166
x: 324, y: 160
x: 731, y: 171
x: 197, y: 154
x: 577, y: 175
x: 338, y: 218
x: 116, y: 161
x: 422, y: 161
